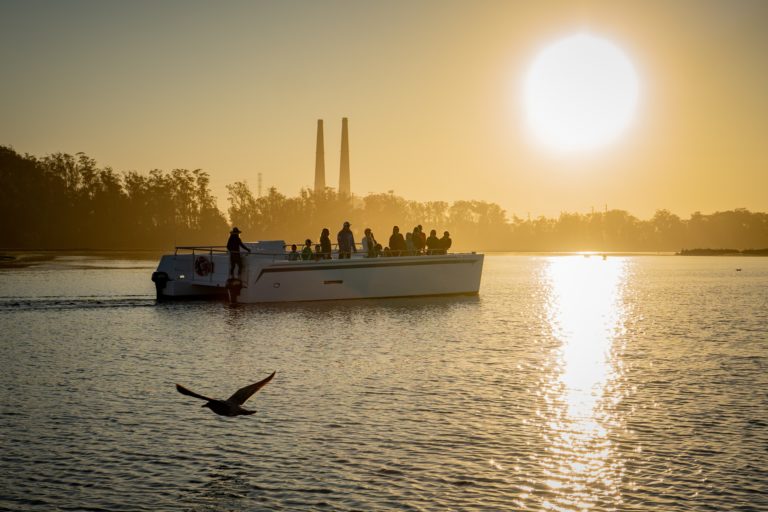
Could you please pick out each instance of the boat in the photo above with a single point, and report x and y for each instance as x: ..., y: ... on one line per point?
x: 268, y: 275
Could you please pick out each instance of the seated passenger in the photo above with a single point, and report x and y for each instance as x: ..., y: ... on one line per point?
x: 433, y: 243
x: 306, y: 252
x: 293, y: 255
x: 318, y: 253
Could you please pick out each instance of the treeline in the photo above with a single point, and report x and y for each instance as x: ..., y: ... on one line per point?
x: 67, y: 202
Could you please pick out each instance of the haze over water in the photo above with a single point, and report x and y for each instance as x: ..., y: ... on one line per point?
x: 569, y: 383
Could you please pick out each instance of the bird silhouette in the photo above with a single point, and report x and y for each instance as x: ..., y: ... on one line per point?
x: 232, y: 405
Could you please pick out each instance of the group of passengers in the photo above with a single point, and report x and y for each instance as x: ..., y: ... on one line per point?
x: 414, y: 243
x: 417, y: 242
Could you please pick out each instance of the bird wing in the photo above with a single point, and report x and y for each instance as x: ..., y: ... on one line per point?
x: 243, y: 394
x: 184, y: 391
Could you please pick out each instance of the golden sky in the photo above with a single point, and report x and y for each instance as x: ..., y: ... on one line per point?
x: 432, y: 90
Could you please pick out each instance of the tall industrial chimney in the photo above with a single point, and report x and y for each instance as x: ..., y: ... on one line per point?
x: 319, y: 160
x: 344, y: 187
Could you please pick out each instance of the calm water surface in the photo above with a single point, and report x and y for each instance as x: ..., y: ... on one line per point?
x: 569, y: 383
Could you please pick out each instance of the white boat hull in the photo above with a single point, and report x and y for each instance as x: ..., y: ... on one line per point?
x: 266, y: 279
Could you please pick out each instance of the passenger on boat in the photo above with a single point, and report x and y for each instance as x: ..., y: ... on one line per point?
x: 369, y: 243
x: 318, y: 253
x: 306, y: 252
x: 410, y: 247
x: 419, y: 239
x: 233, y: 246
x: 325, y: 243
x: 396, y: 242
x: 445, y: 243
x: 294, y: 254
x: 433, y: 243
x: 346, y: 241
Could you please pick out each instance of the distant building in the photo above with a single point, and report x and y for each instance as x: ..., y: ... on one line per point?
x: 319, y: 159
x: 344, y: 185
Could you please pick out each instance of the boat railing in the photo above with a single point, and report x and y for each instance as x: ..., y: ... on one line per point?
x: 361, y: 253
x: 211, y: 250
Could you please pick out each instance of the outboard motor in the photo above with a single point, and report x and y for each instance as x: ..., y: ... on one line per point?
x: 233, y: 289
x: 160, y: 279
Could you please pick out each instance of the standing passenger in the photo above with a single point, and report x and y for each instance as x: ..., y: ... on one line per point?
x: 396, y: 242
x: 346, y: 240
x: 233, y: 246
x: 410, y: 247
x: 325, y: 243
x: 445, y: 243
x: 419, y: 239
x: 369, y: 243
x: 433, y: 243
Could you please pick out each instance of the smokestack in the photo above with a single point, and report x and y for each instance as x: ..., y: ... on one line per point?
x: 319, y: 159
x: 344, y: 187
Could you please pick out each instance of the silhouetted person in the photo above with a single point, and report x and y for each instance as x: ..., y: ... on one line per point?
x: 306, y: 252
x: 325, y: 243
x: 232, y: 405
x: 369, y: 243
x: 445, y: 243
x: 318, y: 253
x: 419, y: 239
x: 294, y: 254
x: 346, y: 240
x: 433, y: 243
x: 409, y: 246
x: 396, y: 242
x: 233, y: 246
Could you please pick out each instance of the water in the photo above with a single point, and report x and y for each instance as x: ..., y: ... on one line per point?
x: 570, y: 383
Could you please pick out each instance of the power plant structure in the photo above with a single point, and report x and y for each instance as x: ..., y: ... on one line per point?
x: 319, y: 159
x: 344, y: 180
x: 344, y: 188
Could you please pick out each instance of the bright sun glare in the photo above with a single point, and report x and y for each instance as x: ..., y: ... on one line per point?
x: 580, y: 93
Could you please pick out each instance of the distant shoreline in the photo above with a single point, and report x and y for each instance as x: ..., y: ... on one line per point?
x: 16, y: 258
x: 723, y: 252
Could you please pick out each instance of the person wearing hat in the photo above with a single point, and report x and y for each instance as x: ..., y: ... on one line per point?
x: 346, y: 241
x: 233, y: 246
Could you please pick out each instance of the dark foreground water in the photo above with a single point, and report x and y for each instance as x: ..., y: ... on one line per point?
x: 570, y: 383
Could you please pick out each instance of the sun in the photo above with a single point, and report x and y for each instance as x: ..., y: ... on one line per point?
x: 581, y: 93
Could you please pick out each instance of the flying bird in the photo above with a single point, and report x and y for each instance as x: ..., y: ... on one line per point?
x: 232, y: 405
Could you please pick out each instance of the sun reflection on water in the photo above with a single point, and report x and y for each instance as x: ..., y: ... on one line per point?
x: 585, y: 314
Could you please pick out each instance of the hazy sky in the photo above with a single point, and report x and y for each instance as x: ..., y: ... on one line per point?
x: 432, y: 91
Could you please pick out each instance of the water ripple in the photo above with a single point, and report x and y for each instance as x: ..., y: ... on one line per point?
x: 568, y: 384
